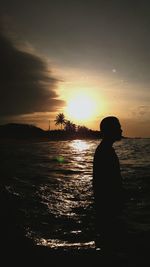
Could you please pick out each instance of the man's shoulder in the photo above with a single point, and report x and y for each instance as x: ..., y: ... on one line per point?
x: 104, y: 149
x: 100, y: 152
x: 104, y: 153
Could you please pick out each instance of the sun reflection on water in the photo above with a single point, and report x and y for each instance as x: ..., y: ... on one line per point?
x: 56, y: 243
x: 79, y: 145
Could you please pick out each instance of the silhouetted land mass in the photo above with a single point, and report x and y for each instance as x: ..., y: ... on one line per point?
x: 31, y: 132
x: 21, y: 131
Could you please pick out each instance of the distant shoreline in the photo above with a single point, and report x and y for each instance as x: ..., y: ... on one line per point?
x: 25, y: 133
x: 45, y: 140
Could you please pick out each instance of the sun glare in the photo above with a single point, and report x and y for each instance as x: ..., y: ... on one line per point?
x: 81, y: 107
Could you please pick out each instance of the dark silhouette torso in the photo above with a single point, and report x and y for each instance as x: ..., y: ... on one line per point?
x: 107, y: 182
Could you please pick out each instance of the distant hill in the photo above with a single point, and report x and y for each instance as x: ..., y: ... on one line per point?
x: 21, y: 131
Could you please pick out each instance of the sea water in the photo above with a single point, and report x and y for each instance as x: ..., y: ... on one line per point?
x: 54, y: 182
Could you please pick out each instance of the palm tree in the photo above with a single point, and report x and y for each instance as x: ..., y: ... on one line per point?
x: 69, y: 126
x: 60, y: 119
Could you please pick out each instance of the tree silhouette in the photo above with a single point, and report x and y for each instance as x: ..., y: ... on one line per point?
x: 70, y: 126
x: 82, y: 129
x: 60, y: 119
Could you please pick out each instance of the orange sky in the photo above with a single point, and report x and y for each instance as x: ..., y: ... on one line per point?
x: 87, y: 61
x: 109, y: 95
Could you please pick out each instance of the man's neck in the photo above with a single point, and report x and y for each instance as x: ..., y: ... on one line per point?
x: 107, y: 142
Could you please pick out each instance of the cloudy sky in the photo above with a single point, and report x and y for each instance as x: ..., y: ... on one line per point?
x: 55, y: 52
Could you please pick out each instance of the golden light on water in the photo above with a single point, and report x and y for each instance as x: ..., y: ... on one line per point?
x: 79, y: 145
x: 56, y: 243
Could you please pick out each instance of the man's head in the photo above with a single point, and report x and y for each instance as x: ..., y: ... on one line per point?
x: 110, y: 128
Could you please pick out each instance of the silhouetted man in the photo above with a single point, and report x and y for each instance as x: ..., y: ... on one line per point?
x: 107, y: 180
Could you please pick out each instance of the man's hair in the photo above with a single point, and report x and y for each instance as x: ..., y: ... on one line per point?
x: 108, y: 124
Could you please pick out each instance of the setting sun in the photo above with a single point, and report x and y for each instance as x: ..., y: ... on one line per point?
x: 81, y: 107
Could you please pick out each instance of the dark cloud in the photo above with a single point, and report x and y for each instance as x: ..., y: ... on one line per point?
x: 26, y: 84
x: 100, y: 35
